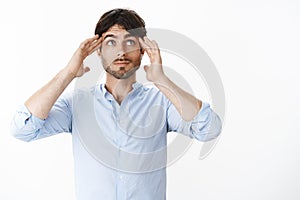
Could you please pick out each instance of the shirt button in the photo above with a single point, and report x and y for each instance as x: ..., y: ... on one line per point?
x: 120, y: 177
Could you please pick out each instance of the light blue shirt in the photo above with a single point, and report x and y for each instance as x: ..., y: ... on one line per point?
x: 126, y: 165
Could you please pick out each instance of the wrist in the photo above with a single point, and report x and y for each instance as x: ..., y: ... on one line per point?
x: 161, y: 80
x: 68, y: 73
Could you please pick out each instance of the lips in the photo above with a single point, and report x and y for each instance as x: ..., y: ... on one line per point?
x: 121, y: 61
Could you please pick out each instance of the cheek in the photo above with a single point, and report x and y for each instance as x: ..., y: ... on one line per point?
x: 108, y: 57
x: 135, y: 55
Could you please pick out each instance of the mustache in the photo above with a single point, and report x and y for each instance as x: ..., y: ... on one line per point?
x: 122, y: 59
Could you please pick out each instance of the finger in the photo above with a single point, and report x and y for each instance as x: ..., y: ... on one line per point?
x: 155, y: 44
x: 149, y: 42
x: 156, y: 47
x: 86, y: 69
x: 145, y: 47
x: 95, y: 45
x: 152, y: 45
x: 86, y: 43
x: 143, y: 44
x: 95, y: 37
x: 92, y: 43
x: 146, y: 67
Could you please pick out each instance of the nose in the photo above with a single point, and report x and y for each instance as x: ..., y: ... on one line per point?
x: 121, y: 51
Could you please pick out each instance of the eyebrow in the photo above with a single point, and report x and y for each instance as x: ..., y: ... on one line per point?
x: 109, y: 35
x: 114, y: 36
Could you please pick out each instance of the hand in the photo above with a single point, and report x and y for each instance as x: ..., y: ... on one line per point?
x: 154, y: 71
x: 86, y: 48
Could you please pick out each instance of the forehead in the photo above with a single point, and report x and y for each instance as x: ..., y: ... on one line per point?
x: 116, y: 30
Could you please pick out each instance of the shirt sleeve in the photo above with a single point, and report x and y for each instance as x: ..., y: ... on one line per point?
x: 205, y: 126
x: 27, y: 127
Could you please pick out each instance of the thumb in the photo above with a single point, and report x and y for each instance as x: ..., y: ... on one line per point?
x: 146, y: 67
x: 86, y: 69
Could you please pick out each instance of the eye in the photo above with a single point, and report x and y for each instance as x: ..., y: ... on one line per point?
x: 130, y: 42
x: 111, y: 43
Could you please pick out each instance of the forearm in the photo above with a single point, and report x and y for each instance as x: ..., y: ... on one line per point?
x: 186, y: 104
x: 41, y: 102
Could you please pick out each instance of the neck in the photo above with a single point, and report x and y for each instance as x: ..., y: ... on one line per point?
x: 119, y: 88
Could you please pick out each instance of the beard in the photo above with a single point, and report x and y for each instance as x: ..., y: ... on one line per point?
x: 119, y: 75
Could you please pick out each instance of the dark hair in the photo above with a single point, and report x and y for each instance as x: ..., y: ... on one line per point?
x: 128, y: 19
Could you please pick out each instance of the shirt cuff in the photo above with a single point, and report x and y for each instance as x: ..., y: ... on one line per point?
x: 24, y: 119
x: 206, y: 125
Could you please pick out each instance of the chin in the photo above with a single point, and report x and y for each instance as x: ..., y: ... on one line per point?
x: 124, y: 75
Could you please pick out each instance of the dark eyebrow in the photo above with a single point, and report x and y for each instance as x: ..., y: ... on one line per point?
x: 109, y: 35
x: 114, y: 36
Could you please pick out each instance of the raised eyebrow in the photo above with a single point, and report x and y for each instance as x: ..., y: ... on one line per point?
x: 109, y: 35
x: 114, y: 36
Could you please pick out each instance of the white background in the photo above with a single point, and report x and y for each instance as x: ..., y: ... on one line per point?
x: 255, y: 46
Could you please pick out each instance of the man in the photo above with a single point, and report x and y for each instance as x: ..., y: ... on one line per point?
x: 131, y: 120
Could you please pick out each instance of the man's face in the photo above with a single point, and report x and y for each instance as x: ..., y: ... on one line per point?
x: 120, y: 52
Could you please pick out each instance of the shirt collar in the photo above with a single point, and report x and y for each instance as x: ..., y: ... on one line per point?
x: 136, y: 87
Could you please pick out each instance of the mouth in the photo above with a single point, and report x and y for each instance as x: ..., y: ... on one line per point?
x: 121, y: 63
x: 122, y: 60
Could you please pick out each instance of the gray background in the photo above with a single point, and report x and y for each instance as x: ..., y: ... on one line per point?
x: 254, y: 46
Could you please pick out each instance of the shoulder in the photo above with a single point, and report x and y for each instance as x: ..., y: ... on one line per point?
x: 150, y: 93
x: 74, y: 95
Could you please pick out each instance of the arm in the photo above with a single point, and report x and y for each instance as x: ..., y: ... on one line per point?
x: 186, y: 114
x: 41, y: 102
x: 187, y: 105
x: 44, y: 113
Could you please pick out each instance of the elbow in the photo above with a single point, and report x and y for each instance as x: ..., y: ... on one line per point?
x: 22, y: 138
x: 218, y: 126
x: 211, y: 130
x: 22, y: 133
